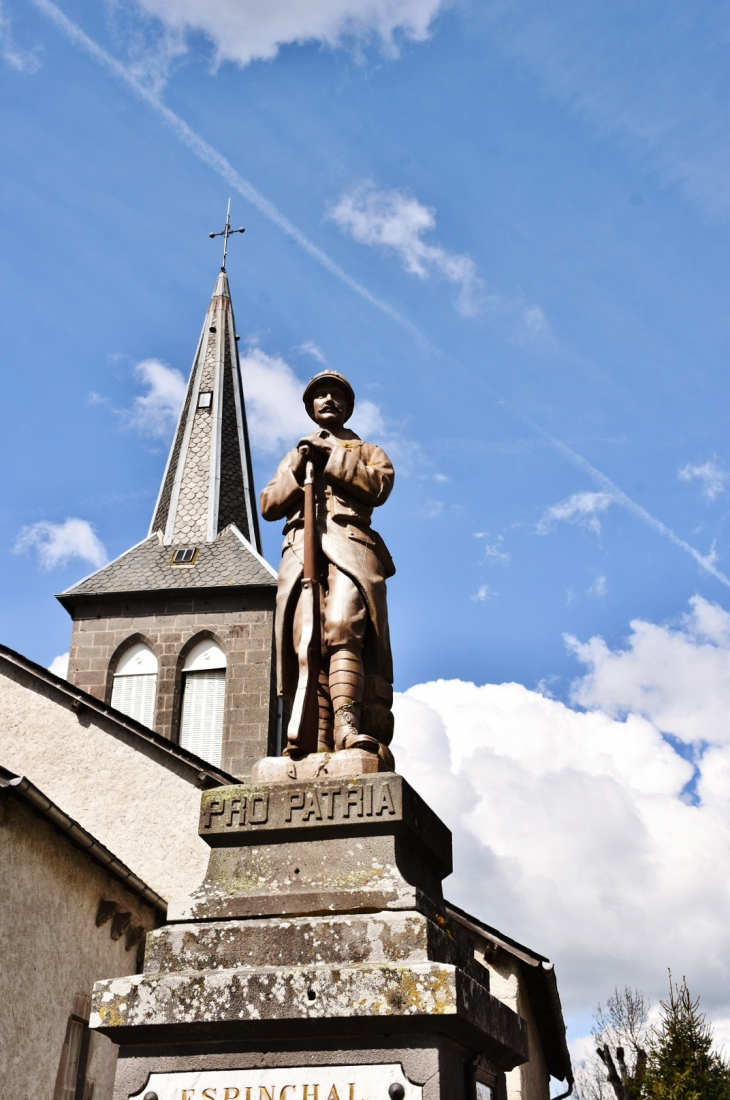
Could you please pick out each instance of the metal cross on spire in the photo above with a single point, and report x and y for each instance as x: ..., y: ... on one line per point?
x: 225, y: 234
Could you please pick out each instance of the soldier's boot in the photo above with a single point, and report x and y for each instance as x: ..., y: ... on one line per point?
x: 347, y: 683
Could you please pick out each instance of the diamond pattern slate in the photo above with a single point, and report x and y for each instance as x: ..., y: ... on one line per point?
x: 231, y: 494
x: 220, y: 564
x: 207, y: 432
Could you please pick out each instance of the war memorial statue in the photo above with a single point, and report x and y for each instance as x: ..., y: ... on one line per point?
x: 332, y: 641
x: 318, y: 959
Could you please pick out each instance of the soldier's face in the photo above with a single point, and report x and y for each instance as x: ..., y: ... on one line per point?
x: 329, y: 406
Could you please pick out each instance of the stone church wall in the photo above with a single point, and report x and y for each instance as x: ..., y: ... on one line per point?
x: 170, y: 625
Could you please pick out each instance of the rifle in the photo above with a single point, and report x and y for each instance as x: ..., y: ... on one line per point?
x: 303, y: 730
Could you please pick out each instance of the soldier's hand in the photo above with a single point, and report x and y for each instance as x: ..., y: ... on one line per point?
x: 318, y: 448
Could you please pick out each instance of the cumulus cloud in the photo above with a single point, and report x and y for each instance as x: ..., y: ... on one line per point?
x: 57, y: 543
x: 676, y: 677
x: 276, y: 415
x: 244, y: 32
x: 59, y: 665
x: 582, y: 508
x: 397, y: 222
x: 367, y: 420
x: 711, y: 476
x: 575, y: 831
x: 155, y: 412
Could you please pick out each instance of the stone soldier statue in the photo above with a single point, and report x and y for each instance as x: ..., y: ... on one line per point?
x: 351, y: 477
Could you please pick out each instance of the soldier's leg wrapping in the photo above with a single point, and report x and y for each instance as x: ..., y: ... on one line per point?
x: 325, y: 728
x: 345, y: 621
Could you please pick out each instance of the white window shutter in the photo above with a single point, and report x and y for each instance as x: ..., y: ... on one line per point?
x: 135, y: 696
x: 201, y: 726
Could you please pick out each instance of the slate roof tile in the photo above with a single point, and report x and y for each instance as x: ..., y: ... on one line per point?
x: 146, y: 567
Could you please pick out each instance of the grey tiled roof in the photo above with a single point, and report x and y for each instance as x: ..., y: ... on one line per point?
x: 146, y: 567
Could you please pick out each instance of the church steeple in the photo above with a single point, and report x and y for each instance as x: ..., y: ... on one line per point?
x: 177, y: 631
x: 208, y: 481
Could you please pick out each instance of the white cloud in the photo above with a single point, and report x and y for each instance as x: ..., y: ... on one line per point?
x: 310, y: 348
x: 397, y: 221
x: 482, y: 594
x: 708, y: 561
x: 432, y: 509
x: 276, y: 414
x: 57, y: 543
x: 676, y: 677
x: 155, y: 413
x: 493, y: 552
x: 534, y: 324
x: 711, y: 476
x: 256, y: 29
x: 59, y: 665
x: 583, y: 508
x: 573, y: 830
x: 367, y: 420
x: 215, y: 160
x: 599, y: 587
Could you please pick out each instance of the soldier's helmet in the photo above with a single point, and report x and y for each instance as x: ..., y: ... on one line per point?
x: 333, y: 377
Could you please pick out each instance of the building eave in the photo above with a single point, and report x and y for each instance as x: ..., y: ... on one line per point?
x: 532, y: 958
x: 192, y: 768
x: 21, y: 787
x: 542, y: 991
x: 71, y: 600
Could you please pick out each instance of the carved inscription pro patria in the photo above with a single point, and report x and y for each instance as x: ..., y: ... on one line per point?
x: 374, y: 1082
x: 232, y: 810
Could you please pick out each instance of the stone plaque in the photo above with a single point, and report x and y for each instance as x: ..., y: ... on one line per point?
x: 373, y: 1082
x: 268, y: 813
x: 274, y: 807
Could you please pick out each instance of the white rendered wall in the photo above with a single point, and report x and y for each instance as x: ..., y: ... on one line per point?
x: 144, y: 813
x: 51, y: 950
x: 530, y: 1081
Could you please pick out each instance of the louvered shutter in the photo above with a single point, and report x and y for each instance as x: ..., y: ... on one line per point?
x: 201, y: 726
x: 135, y: 696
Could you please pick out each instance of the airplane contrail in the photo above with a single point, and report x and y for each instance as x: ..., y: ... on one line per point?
x: 210, y: 156
x: 705, y: 561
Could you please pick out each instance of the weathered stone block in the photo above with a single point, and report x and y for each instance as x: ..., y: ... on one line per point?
x: 373, y: 939
x: 217, y: 1003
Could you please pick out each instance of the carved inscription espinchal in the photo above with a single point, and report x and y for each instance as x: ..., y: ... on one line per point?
x: 251, y: 1092
x: 371, y: 1082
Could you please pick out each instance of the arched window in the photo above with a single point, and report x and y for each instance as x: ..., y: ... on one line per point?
x: 135, y: 684
x: 204, y: 689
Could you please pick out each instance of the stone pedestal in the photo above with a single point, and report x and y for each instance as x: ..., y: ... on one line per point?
x: 317, y: 941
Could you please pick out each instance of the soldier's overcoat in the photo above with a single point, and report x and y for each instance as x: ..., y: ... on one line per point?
x: 357, y: 477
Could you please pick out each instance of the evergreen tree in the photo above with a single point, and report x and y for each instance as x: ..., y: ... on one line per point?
x: 681, y: 1064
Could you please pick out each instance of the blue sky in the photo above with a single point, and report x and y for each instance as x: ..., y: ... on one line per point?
x: 506, y: 223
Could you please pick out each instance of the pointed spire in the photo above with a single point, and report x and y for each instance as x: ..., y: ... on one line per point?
x: 208, y: 482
